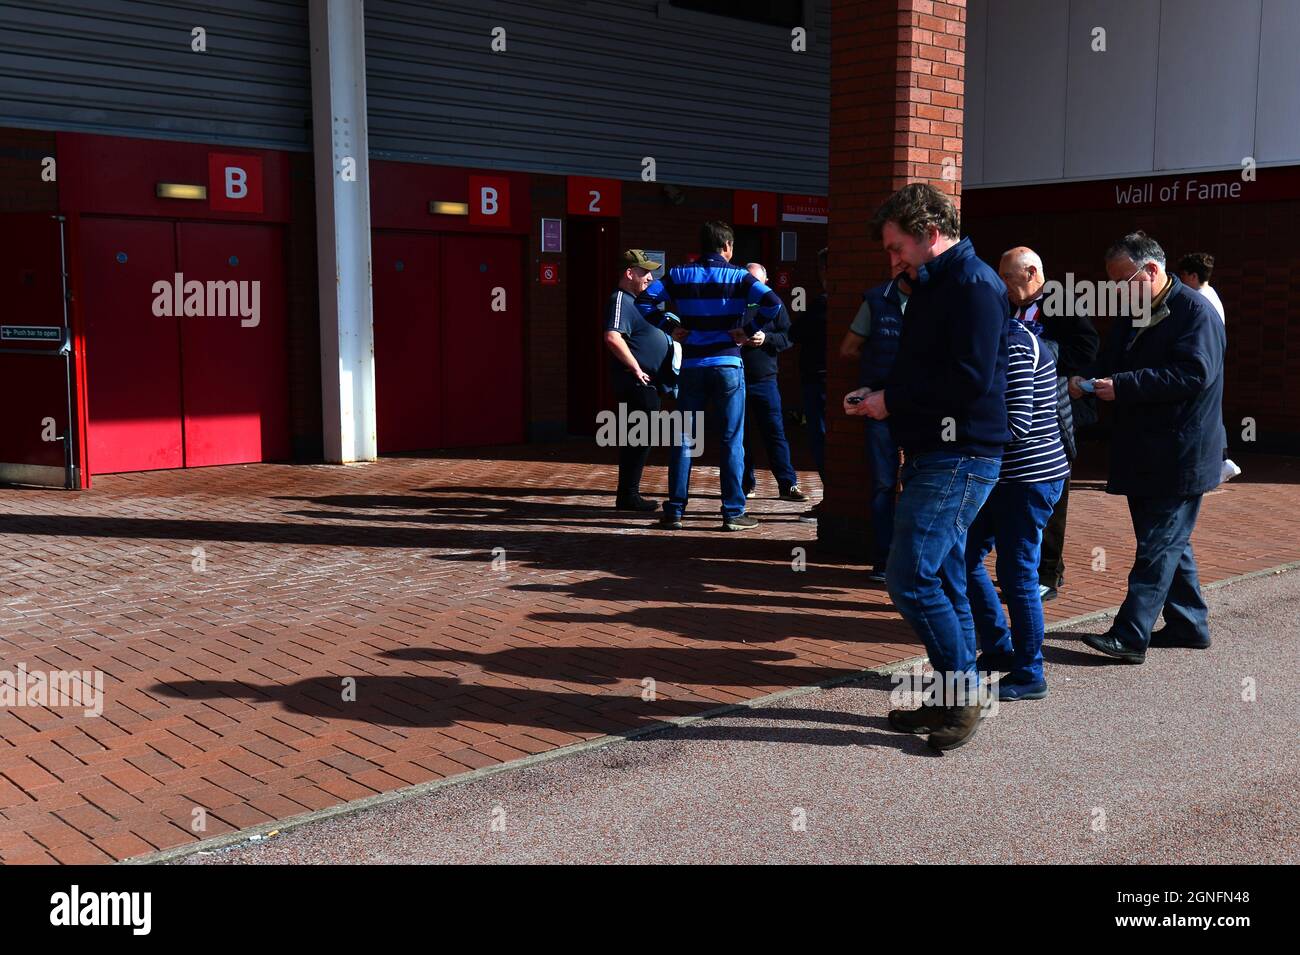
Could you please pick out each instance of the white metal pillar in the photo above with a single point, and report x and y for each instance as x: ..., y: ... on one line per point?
x: 338, y: 105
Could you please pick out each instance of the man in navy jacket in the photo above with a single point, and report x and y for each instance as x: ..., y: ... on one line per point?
x: 1164, y: 373
x: 763, y: 412
x: 945, y: 399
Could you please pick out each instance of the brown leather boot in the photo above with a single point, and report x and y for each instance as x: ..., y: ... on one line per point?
x: 958, y: 727
x: 925, y: 720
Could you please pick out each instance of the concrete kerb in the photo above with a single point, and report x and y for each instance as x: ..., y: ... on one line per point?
x: 226, y: 840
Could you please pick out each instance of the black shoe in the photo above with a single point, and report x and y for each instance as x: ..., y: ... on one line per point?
x: 741, y: 522
x: 1012, y: 690
x: 669, y: 521
x: 925, y: 720
x: 876, y: 575
x: 794, y: 493
x: 636, y: 504
x: 1046, y: 593
x: 1166, y: 636
x: 1110, y: 645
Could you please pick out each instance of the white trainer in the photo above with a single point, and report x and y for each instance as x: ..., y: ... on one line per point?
x: 1230, y: 470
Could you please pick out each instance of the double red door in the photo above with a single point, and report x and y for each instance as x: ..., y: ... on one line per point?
x: 449, y: 355
x: 168, y: 391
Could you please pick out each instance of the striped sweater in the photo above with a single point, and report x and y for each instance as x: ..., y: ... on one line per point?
x: 1035, y: 452
x: 709, y: 297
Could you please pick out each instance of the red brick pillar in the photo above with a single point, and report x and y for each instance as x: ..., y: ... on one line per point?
x: 897, y: 81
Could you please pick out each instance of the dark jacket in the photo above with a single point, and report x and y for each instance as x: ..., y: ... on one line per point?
x: 881, y: 347
x: 952, y: 360
x: 1168, y: 426
x: 1077, y: 344
x: 1064, y: 404
x: 761, y: 362
x: 809, y: 333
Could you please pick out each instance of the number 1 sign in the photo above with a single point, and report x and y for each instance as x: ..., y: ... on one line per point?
x: 754, y: 208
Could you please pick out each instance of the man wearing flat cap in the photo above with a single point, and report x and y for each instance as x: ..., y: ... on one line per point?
x: 637, y: 352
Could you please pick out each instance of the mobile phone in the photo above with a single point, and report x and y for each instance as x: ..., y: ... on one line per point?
x: 1087, y: 385
x: 855, y: 399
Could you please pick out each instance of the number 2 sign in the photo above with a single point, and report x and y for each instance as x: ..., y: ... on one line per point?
x: 589, y: 196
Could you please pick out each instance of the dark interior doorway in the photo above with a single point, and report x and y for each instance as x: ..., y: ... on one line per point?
x: 593, y: 271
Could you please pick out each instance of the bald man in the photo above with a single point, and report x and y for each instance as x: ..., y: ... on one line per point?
x: 763, y: 402
x: 1074, y: 344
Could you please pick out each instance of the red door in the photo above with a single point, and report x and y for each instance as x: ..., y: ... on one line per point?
x: 407, y: 350
x: 482, y: 341
x: 234, y: 367
x: 132, y: 356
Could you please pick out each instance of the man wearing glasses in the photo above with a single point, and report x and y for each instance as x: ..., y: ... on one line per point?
x: 1163, y: 370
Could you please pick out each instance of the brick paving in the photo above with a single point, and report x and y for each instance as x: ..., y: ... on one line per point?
x: 478, y: 608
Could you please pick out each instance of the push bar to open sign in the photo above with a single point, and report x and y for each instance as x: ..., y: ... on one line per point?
x: 31, y: 333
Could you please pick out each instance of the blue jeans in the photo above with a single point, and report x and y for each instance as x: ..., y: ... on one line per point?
x: 1164, y: 572
x: 926, y: 575
x: 814, y: 409
x: 1012, y: 521
x: 721, y: 387
x: 763, y: 417
x: 882, y: 455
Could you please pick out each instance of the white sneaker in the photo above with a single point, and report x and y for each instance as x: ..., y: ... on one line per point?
x: 1230, y: 470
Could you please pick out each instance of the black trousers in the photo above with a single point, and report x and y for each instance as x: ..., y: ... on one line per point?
x: 631, y: 461
x: 1051, y: 562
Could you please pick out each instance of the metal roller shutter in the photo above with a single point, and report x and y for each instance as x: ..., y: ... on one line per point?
x: 127, y: 68
x: 591, y: 88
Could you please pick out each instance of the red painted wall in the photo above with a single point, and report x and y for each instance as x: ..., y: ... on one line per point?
x: 1071, y: 224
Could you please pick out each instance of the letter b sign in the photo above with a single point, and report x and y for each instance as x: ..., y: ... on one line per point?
x: 234, y: 182
x: 489, y: 201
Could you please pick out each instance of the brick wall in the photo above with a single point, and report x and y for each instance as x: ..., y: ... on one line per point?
x: 897, y: 83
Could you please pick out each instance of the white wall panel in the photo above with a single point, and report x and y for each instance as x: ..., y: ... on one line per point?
x: 1183, y: 85
x: 1024, y: 129
x: 1277, y: 117
x: 972, y: 159
x: 1110, y: 122
x: 1209, y: 68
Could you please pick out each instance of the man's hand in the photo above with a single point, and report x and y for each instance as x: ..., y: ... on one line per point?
x: 756, y: 341
x: 738, y: 336
x: 1075, y: 391
x: 1104, y: 388
x: 642, y: 377
x: 875, y: 405
x: 680, y: 333
x: 857, y: 408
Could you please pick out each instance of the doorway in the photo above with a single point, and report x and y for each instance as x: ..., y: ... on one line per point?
x: 593, y: 273
x: 449, y: 352
x: 203, y: 387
